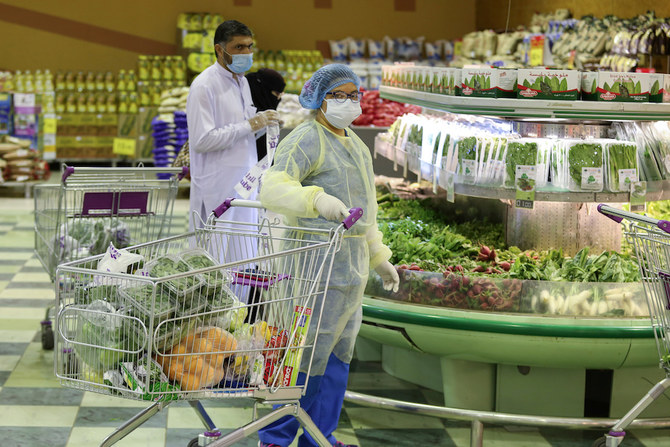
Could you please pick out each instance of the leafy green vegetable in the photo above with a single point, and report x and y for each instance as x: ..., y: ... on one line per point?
x: 521, y: 154
x: 584, y: 155
x: 620, y: 156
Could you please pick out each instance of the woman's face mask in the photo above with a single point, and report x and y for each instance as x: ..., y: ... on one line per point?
x: 342, y: 114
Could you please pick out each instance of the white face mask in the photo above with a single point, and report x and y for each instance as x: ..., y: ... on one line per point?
x: 342, y: 114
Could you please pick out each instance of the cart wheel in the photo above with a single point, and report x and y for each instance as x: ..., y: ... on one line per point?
x: 47, y: 336
x: 193, y: 443
x: 600, y: 442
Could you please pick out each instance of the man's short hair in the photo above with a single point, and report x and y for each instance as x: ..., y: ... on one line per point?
x: 229, y: 29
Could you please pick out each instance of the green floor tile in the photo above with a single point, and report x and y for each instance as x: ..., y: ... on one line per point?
x: 37, y: 415
x: 91, y: 399
x: 222, y: 417
x: 38, y: 293
x: 406, y: 438
x: 9, y: 362
x: 16, y: 336
x: 35, y: 369
x: 19, y: 323
x: 93, y: 436
x: 9, y: 268
x: 31, y: 277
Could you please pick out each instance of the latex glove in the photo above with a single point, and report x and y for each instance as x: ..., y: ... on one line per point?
x: 330, y: 207
x: 389, y: 276
x: 263, y: 119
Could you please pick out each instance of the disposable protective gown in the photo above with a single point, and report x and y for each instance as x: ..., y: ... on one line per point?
x: 313, y: 159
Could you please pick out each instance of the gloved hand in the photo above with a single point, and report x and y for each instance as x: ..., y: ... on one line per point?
x: 330, y: 207
x: 263, y: 119
x: 389, y: 276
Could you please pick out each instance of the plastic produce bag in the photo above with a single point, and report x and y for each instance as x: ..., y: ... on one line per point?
x: 527, y: 152
x: 585, y: 165
x: 105, y: 336
x: 622, y: 165
x: 118, y: 260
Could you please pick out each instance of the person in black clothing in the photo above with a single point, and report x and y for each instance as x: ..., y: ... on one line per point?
x: 266, y: 87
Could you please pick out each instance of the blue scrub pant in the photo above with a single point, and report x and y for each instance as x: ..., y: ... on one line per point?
x: 322, y: 401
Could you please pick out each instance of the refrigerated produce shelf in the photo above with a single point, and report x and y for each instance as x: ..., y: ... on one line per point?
x: 659, y: 190
x: 531, y: 108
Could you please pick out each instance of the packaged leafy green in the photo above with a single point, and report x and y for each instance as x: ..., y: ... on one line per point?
x: 139, y: 297
x: 89, y: 293
x: 520, y: 152
x: 467, y: 158
x: 559, y: 164
x: 585, y: 161
x: 622, y: 167
x: 173, y: 265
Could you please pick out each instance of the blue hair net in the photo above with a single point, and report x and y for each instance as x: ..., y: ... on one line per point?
x: 324, y: 80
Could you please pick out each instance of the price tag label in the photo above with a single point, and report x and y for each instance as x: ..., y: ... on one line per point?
x: 525, y: 186
x: 458, y: 45
x: 451, y: 176
x: 124, y: 146
x: 536, y: 51
x: 592, y: 179
x: 49, y: 125
x: 638, y: 196
x: 24, y: 100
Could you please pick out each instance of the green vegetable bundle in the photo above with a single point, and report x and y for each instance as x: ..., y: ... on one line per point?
x: 519, y: 154
x: 583, y: 155
x: 620, y: 155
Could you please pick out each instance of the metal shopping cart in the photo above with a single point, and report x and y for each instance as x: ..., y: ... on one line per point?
x: 651, y: 241
x: 179, y: 324
x: 92, y: 207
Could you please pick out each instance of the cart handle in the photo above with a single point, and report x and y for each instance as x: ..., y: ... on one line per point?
x: 618, y: 215
x: 354, y: 213
x: 69, y: 170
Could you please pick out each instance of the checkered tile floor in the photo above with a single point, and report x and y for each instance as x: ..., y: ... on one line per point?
x: 36, y: 411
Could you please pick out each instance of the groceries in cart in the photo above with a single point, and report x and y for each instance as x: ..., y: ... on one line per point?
x: 91, y: 236
x: 179, y: 323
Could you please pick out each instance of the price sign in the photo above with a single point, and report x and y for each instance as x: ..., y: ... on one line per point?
x: 638, y: 196
x: 24, y: 100
x: 49, y: 126
x: 124, y: 146
x: 525, y: 186
x: 536, y: 51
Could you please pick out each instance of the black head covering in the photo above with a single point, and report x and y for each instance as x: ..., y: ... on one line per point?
x: 262, y: 83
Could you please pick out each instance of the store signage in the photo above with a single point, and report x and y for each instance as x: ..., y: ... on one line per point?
x: 124, y: 146
x: 536, y: 51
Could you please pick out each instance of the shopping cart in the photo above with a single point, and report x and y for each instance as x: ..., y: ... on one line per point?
x: 182, y: 323
x: 651, y: 241
x: 92, y: 207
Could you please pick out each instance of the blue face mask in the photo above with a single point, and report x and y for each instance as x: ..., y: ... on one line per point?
x: 241, y: 62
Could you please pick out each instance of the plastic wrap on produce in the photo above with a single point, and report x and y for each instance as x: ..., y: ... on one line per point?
x: 458, y: 291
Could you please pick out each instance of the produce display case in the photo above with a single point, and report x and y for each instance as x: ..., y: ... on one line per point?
x: 483, y: 340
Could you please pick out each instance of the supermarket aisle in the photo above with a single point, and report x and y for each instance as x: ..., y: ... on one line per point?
x: 36, y: 411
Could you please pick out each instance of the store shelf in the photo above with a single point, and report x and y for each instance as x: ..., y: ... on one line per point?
x: 531, y: 108
x: 655, y: 190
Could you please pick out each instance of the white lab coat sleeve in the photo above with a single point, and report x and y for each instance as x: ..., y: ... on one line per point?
x: 204, y: 135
